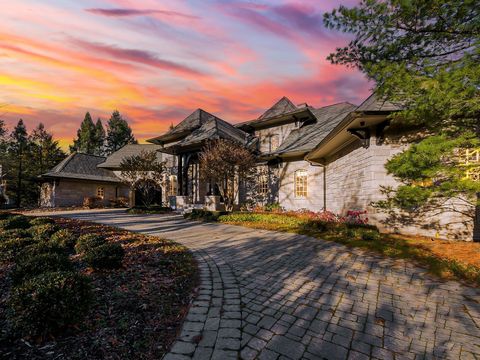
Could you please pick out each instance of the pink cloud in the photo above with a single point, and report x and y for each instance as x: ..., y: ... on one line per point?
x: 120, y: 12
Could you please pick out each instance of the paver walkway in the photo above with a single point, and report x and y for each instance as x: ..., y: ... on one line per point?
x: 272, y: 295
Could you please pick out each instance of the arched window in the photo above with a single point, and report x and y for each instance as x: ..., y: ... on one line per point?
x: 173, y: 185
x: 263, y: 185
x: 301, y: 183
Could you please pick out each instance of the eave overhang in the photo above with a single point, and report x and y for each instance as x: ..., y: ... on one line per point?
x: 300, y: 115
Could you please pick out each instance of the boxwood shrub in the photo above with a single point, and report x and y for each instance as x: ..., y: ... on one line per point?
x: 370, y: 235
x: 88, y: 241
x: 5, y: 215
x: 15, y: 222
x: 14, y: 234
x: 106, y: 256
x: 41, y: 221
x: 40, y: 247
x: 43, y: 232
x: 49, y: 303
x: 64, y: 238
x: 31, y: 266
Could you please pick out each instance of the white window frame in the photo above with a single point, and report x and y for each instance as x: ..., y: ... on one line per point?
x: 300, y: 191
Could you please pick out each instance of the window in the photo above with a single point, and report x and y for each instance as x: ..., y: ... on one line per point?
x: 173, y: 185
x: 301, y: 183
x: 100, y: 192
x: 274, y: 142
x: 263, y: 185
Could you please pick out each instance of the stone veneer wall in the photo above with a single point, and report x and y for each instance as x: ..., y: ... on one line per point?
x: 72, y: 193
x: 354, y: 176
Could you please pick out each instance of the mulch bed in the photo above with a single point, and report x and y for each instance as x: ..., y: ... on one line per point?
x: 138, y: 309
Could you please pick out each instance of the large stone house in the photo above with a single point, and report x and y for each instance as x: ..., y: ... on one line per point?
x: 328, y: 158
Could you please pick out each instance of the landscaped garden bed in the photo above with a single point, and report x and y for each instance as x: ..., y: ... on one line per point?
x: 447, y: 259
x: 77, y: 290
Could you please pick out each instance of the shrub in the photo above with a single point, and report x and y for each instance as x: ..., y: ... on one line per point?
x: 31, y: 266
x: 92, y: 202
x: 106, y: 256
x: 41, y: 221
x: 48, y: 303
x: 350, y: 233
x: 42, y: 247
x: 14, y: 234
x: 370, y: 235
x: 204, y: 215
x: 15, y: 222
x: 88, y: 241
x: 64, y: 238
x: 10, y: 249
x: 43, y: 232
x: 275, y: 207
x: 119, y: 202
x: 5, y: 215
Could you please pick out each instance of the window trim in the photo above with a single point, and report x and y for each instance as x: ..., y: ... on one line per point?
x: 100, y: 193
x: 296, y: 176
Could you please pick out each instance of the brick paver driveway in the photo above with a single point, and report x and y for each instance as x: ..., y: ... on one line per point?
x: 271, y: 295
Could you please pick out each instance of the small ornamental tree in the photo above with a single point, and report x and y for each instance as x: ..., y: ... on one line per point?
x: 226, y: 164
x: 143, y: 172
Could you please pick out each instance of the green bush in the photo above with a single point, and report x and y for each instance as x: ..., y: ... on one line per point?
x: 204, y: 215
x: 350, y: 233
x: 5, y: 215
x: 43, y: 232
x: 88, y: 241
x: 370, y: 235
x: 41, y: 221
x: 14, y: 234
x: 50, y: 302
x: 10, y: 249
x: 64, y: 238
x: 42, y: 247
x: 31, y: 266
x: 106, y: 256
x: 15, y: 222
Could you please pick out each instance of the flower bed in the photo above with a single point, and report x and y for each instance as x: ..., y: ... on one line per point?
x: 122, y: 296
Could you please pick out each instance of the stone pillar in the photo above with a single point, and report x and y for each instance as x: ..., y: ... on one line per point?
x: 212, y: 203
x: 179, y: 176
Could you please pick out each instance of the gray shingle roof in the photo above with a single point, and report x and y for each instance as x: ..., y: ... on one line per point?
x: 374, y: 103
x: 214, y: 128
x: 81, y: 167
x: 308, y: 136
x: 190, y: 123
x: 115, y: 159
x: 282, y: 106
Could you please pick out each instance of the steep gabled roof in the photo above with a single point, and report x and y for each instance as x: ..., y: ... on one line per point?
x: 187, y: 125
x: 114, y: 160
x: 308, y: 136
x: 282, y: 106
x: 373, y: 104
x: 81, y: 167
x: 214, y: 128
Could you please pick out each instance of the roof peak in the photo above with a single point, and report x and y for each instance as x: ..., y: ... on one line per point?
x: 282, y: 106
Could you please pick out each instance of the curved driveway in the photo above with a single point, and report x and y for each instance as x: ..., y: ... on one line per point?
x: 272, y: 295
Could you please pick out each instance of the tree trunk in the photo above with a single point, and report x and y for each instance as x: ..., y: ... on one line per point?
x: 476, y: 221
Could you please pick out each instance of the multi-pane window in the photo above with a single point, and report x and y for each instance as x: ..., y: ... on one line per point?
x: 263, y: 185
x: 471, y: 161
x: 100, y: 192
x: 301, y: 183
x: 274, y: 142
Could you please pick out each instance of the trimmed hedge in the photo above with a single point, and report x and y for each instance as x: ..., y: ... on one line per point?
x: 38, y: 248
x: 64, y: 238
x: 14, y: 234
x: 106, y: 256
x: 10, y: 249
x: 88, y: 241
x: 49, y: 303
x: 43, y: 232
x: 28, y: 267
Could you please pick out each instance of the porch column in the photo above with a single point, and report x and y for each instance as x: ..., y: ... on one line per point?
x: 180, y: 175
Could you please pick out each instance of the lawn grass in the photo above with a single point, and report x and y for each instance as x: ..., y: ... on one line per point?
x: 137, y: 310
x: 446, y: 259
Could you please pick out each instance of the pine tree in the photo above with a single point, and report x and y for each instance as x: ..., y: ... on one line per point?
x: 99, y: 138
x: 86, y: 137
x: 18, y: 149
x: 119, y: 133
x: 46, y: 152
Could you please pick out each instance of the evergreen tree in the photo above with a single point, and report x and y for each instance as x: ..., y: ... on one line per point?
x: 99, y: 138
x: 425, y: 55
x: 119, y: 133
x: 45, y: 151
x: 86, y: 137
x: 18, y: 151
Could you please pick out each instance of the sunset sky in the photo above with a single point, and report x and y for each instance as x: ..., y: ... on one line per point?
x: 157, y: 61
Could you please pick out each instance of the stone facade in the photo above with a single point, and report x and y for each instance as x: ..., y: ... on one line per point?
x: 64, y: 192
